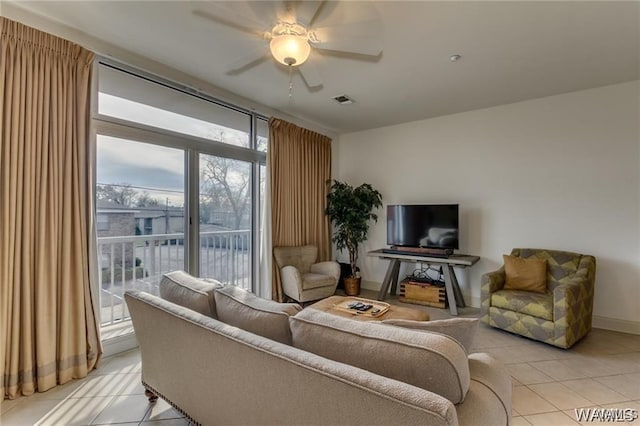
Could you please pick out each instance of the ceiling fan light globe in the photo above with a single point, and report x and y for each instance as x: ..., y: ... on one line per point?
x: 289, y: 49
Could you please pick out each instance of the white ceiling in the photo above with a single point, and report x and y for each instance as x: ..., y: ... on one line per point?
x: 511, y: 51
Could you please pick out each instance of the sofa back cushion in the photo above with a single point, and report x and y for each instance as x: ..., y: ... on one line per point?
x: 463, y: 330
x: 430, y: 361
x: 191, y: 292
x: 266, y: 318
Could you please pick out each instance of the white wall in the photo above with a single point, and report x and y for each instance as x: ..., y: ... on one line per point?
x: 560, y: 172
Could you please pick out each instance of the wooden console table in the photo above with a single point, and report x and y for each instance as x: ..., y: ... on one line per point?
x: 454, y: 295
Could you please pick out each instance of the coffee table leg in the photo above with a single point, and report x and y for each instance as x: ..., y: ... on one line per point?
x: 394, y: 264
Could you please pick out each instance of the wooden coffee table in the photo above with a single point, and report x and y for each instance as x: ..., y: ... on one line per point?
x: 394, y: 312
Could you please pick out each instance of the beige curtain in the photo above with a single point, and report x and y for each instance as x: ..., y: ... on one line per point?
x: 49, y: 333
x: 300, y: 166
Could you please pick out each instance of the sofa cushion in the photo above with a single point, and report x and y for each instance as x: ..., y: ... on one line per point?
x: 528, y: 303
x: 311, y: 280
x: 462, y: 330
x: 186, y: 290
x: 266, y: 318
x: 525, y: 274
x: 430, y: 361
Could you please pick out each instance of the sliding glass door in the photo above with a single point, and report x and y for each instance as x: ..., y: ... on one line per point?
x: 140, y: 218
x: 225, y: 210
x: 179, y: 186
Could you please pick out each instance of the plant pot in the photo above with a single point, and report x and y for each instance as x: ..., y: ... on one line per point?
x: 352, y: 286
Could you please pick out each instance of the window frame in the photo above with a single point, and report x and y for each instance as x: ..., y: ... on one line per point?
x: 192, y: 146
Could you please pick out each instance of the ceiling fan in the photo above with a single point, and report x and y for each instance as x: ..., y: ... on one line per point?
x: 288, y: 31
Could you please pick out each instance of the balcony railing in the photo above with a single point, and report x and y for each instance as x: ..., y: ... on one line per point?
x: 138, y: 262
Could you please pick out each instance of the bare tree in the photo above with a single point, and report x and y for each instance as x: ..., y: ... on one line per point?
x: 144, y: 199
x: 121, y: 194
x: 226, y: 185
x: 262, y: 143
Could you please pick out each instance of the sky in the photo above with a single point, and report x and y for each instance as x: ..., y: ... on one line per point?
x: 140, y: 164
x: 155, y: 169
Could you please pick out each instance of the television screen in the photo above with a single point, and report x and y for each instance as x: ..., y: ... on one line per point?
x: 423, y: 225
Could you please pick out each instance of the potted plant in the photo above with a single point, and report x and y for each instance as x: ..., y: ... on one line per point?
x: 350, y: 211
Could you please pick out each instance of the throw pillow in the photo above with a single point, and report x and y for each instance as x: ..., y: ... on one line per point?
x: 193, y: 293
x: 463, y: 330
x: 245, y: 310
x: 427, y: 360
x: 525, y: 274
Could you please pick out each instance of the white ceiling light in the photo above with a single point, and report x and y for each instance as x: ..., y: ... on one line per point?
x: 290, y: 43
x: 290, y: 49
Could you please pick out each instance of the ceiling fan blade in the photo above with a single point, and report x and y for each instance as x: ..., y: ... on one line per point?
x: 252, y: 58
x: 307, y: 11
x: 310, y: 74
x: 348, y: 13
x: 269, y: 11
x: 362, y: 38
x: 229, y: 20
x: 359, y: 46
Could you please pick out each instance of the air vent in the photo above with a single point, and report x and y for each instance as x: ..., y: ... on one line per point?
x: 343, y: 99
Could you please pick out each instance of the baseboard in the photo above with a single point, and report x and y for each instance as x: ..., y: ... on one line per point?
x: 474, y: 302
x: 370, y: 285
x: 119, y: 344
x: 614, y: 324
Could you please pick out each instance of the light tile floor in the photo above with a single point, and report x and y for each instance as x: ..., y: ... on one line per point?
x: 112, y: 394
x: 603, y: 370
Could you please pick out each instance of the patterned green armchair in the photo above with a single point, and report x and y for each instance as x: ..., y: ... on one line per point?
x: 559, y: 317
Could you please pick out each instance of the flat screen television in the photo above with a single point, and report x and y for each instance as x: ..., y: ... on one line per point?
x: 423, y: 225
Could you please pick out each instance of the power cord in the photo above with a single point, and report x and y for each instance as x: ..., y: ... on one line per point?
x: 423, y: 275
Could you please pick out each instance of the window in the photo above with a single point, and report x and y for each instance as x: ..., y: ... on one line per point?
x: 262, y: 136
x: 148, y: 226
x: 225, y: 220
x: 180, y: 179
x: 137, y: 184
x: 102, y: 222
x: 125, y: 96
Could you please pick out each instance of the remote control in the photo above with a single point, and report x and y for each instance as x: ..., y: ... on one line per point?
x: 375, y: 311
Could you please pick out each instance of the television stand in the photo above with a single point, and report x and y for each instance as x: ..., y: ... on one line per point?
x: 454, y: 295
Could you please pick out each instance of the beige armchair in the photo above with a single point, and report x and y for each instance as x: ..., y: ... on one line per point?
x: 303, y: 279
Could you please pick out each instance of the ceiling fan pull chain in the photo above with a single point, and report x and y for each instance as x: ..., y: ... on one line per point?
x: 290, y: 81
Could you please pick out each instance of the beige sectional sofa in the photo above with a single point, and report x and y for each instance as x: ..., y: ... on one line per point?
x: 222, y: 356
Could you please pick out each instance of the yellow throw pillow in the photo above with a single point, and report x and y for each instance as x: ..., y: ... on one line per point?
x: 525, y: 274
